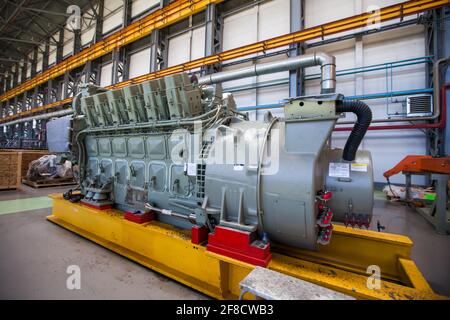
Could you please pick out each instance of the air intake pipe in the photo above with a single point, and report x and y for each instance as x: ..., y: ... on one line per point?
x: 364, y: 118
x: 325, y: 61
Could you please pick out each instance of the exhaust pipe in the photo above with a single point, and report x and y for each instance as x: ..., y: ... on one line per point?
x: 325, y: 61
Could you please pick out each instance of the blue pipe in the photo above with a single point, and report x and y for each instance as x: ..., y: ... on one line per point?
x: 344, y: 72
x: 361, y: 97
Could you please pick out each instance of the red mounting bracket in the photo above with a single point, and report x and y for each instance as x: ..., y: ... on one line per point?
x: 239, y: 245
x: 139, y: 217
x: 199, y: 234
x: 98, y: 207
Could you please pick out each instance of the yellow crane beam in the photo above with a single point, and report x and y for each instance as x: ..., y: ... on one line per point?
x: 398, y: 11
x: 159, y: 19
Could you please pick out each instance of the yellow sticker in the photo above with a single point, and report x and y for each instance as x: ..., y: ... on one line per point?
x: 361, y: 167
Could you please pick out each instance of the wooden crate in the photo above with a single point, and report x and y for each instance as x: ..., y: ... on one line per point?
x: 10, y: 170
x: 14, y: 166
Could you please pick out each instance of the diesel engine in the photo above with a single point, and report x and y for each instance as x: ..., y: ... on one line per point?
x: 177, y: 147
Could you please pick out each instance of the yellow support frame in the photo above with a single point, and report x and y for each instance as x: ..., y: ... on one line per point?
x: 340, y: 266
x: 359, y: 21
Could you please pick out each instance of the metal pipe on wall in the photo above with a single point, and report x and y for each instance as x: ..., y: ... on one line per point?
x: 60, y: 113
x: 324, y: 60
x: 440, y: 110
x: 440, y: 124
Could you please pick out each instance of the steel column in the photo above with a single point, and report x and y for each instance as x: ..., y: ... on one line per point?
x: 297, y: 23
x: 76, y: 41
x: 213, y: 36
x: 119, y: 65
x: 15, y: 75
x: 99, y: 21
x: 155, y: 55
x: 126, y: 13
x: 60, y: 46
x: 34, y: 62
x: 25, y: 67
x: 45, y: 56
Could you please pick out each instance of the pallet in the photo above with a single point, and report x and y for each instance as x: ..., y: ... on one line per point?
x: 58, y: 182
x: 6, y: 188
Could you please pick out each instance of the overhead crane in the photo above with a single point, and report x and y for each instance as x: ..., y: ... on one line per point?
x: 162, y: 17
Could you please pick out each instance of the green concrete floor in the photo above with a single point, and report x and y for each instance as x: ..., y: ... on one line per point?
x: 33, y: 203
x: 35, y: 254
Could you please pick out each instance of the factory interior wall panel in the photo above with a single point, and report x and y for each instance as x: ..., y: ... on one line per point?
x: 113, y: 15
x: 261, y: 22
x: 52, y: 53
x: 139, y: 6
x: 187, y: 46
x: 273, y: 19
x: 139, y: 63
x: 318, y: 12
x: 198, y: 43
x: 240, y: 29
x: 106, y: 75
x: 19, y: 75
x: 87, y: 27
x: 30, y: 58
x: 40, y: 58
x: 369, y: 5
x: 68, y: 42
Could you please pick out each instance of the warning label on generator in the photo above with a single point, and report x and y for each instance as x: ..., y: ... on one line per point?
x: 361, y: 167
x: 339, y: 170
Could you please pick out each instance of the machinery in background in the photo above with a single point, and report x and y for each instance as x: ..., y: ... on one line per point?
x: 27, y: 135
x: 436, y: 210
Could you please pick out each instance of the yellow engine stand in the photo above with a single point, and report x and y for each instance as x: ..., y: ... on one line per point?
x: 341, y: 266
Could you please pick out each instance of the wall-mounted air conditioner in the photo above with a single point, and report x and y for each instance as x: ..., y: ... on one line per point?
x: 420, y: 105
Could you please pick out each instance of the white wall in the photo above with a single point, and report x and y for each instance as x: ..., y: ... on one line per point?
x: 68, y: 42
x: 139, y: 6
x: 113, y: 15
x: 187, y: 46
x: 40, y: 58
x: 87, y: 27
x: 106, y: 75
x: 139, y: 63
x: 30, y: 58
x: 52, y: 53
x: 263, y: 21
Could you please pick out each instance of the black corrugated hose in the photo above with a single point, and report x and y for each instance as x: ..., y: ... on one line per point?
x: 364, y: 118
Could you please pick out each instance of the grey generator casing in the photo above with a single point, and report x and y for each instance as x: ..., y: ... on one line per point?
x: 269, y: 185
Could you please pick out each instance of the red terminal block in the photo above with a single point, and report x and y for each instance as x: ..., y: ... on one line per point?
x: 327, y: 195
x: 239, y: 245
x: 366, y: 222
x: 325, y: 235
x: 199, y: 234
x: 363, y: 221
x: 325, y: 218
x: 139, y: 217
